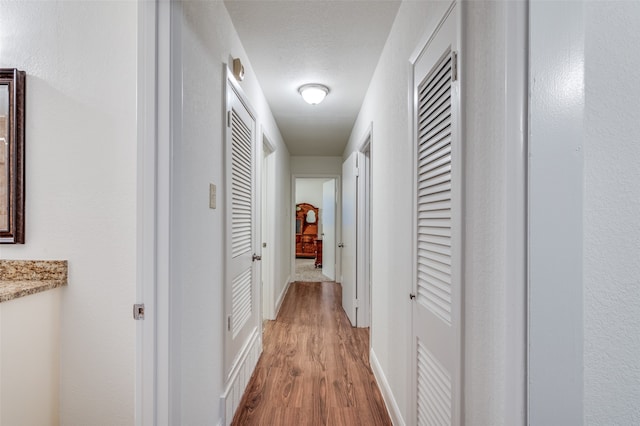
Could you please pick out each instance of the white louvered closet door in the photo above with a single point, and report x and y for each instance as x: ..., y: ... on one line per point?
x: 437, y: 287
x: 241, y: 215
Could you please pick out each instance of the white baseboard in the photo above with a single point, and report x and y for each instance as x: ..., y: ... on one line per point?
x: 239, y: 377
x: 281, y: 295
x: 385, y: 389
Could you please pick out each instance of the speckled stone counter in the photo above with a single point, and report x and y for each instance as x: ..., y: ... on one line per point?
x: 20, y: 278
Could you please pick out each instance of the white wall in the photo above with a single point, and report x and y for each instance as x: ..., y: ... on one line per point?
x: 489, y: 343
x: 588, y: 348
x: 80, y: 59
x: 611, y: 269
x: 309, y: 191
x: 386, y: 106
x: 207, y: 41
x: 282, y: 248
x: 301, y: 165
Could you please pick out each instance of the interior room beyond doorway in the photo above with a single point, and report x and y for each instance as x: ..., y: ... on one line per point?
x: 314, y: 240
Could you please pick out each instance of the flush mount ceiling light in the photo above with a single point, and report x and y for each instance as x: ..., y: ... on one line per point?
x: 313, y: 93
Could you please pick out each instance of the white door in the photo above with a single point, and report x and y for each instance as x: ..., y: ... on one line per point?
x: 349, y: 236
x: 267, y: 232
x: 437, y: 288
x: 329, y: 229
x: 242, y: 213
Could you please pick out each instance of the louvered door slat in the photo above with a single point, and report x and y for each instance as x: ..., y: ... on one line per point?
x: 444, y: 185
x: 441, y: 74
x: 435, y: 128
x: 434, y: 172
x: 436, y: 248
x: 241, y: 301
x: 435, y: 113
x: 434, y: 390
x: 435, y: 97
x: 241, y: 187
x: 438, y: 199
x: 438, y: 142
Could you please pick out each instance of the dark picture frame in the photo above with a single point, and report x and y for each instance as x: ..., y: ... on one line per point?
x: 12, y: 159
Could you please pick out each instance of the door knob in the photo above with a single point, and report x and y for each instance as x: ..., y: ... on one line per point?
x: 256, y: 257
x: 341, y: 245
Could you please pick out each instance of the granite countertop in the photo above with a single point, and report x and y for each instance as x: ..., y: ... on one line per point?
x: 20, y: 278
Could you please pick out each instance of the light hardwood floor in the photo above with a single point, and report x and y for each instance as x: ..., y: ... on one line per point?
x: 314, y: 369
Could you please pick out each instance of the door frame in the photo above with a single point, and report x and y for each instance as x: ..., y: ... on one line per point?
x: 363, y: 234
x: 268, y: 310
x: 158, y: 55
x: 338, y: 217
x: 458, y: 216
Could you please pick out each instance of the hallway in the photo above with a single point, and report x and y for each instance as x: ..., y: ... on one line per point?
x: 314, y: 369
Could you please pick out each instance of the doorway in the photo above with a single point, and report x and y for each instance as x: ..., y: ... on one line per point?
x: 356, y: 234
x: 314, y: 243
x: 267, y: 229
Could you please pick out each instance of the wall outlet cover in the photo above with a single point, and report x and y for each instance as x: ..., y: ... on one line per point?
x: 212, y: 196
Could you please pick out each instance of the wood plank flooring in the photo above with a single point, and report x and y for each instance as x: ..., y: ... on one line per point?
x: 314, y: 369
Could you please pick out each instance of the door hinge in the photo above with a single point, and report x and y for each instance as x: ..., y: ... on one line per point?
x: 357, y: 304
x: 138, y: 311
x: 454, y: 66
x: 356, y: 172
x: 229, y: 118
x: 228, y: 322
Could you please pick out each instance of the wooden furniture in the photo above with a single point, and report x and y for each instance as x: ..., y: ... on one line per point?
x: 306, y: 233
x: 318, y: 263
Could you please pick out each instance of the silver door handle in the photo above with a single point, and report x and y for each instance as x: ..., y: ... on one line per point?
x: 256, y: 257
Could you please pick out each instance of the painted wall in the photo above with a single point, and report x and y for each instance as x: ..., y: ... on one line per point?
x: 309, y: 191
x: 81, y: 59
x: 283, y: 217
x: 611, y: 268
x: 386, y: 106
x: 206, y: 40
x: 316, y: 165
x: 488, y: 199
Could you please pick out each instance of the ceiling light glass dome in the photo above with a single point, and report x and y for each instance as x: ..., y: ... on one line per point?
x: 313, y: 94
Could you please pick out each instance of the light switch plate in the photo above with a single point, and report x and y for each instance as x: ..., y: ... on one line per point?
x: 212, y: 196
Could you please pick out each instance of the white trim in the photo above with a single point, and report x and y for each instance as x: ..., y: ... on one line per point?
x: 152, y: 401
x: 268, y: 221
x: 516, y: 110
x: 239, y: 378
x: 363, y: 257
x: 338, y: 216
x: 555, y: 208
x: 266, y: 140
x: 280, y: 299
x: 145, y: 398
x: 387, y: 394
x: 169, y: 294
x: 426, y: 39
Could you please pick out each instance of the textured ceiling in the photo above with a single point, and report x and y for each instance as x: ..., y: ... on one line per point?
x: 335, y: 43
